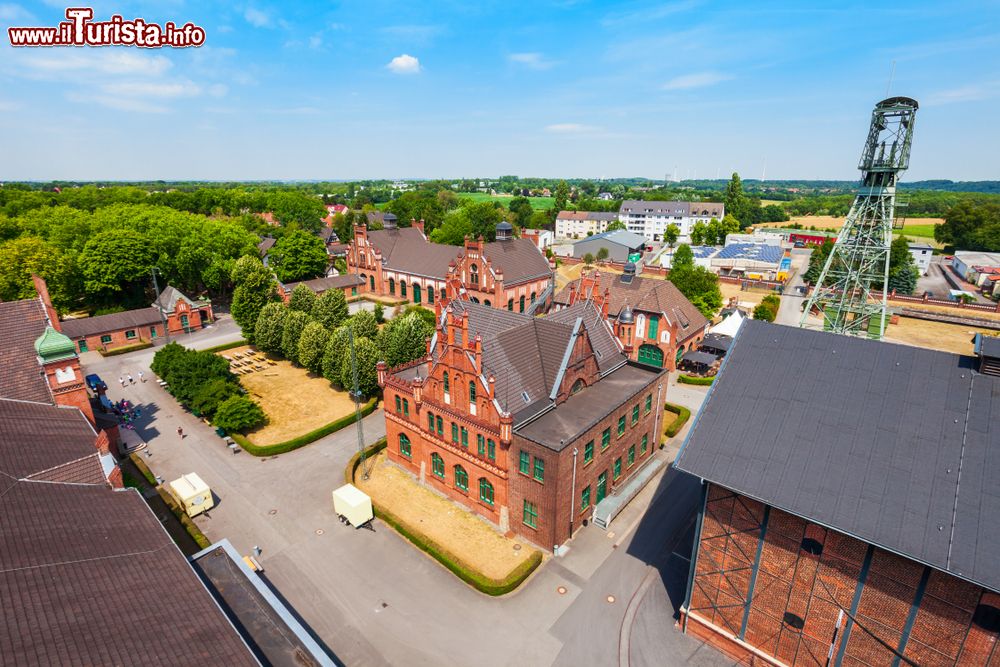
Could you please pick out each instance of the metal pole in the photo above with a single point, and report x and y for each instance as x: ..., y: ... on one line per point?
x: 159, y: 306
x: 572, y: 495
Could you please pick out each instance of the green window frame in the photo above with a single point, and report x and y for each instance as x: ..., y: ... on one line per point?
x: 510, y: 305
x: 481, y: 444
x: 461, y: 478
x: 354, y: 291
x: 130, y: 334
x: 635, y: 414
x: 404, y: 445
x: 521, y: 306
x: 645, y: 444
x: 392, y: 286
x: 406, y: 408
x: 402, y: 289
x: 631, y: 456
x: 621, y: 426
x: 399, y: 404
x: 437, y: 465
x: 447, y: 383
x: 83, y: 344
x: 430, y: 300
x: 444, y: 293
x: 539, y: 472
x: 605, y: 439
x: 105, y: 339
x: 465, y: 438
x: 617, y: 472
x: 525, y: 462
x: 654, y: 325
x: 602, y: 487
x: 585, y: 498
x: 649, y: 403
x: 491, y: 450
x: 416, y: 293
x: 588, y: 452
x: 486, y: 491
x: 454, y: 433
x: 472, y: 391
x: 529, y: 516
x: 430, y: 422
x: 440, y: 425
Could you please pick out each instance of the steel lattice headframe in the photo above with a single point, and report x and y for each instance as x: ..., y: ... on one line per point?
x: 851, y: 291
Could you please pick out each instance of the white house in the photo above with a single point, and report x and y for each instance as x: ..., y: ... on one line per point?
x: 650, y: 218
x: 922, y: 253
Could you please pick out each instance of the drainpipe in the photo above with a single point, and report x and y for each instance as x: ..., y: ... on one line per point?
x: 572, y: 494
x: 656, y: 419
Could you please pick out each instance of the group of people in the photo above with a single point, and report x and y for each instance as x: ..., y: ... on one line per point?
x: 127, y: 413
x: 127, y: 379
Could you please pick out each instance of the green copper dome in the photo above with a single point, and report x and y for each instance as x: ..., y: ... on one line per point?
x: 53, y: 346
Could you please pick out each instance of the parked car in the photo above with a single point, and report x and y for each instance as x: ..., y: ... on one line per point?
x: 95, y: 383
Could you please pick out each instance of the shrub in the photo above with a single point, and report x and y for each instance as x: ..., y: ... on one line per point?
x: 367, y: 355
x: 404, y: 339
x: 331, y: 309
x: 126, y: 349
x: 187, y: 371
x: 225, y: 346
x: 363, y: 323
x: 295, y: 323
x: 305, y: 439
x: 333, y: 354
x: 239, y: 413
x: 143, y: 468
x: 379, y: 313
x: 303, y: 299
x: 767, y: 309
x: 189, y: 525
x: 674, y: 427
x: 270, y: 327
x: 211, y: 395
x: 690, y: 379
x: 312, y: 343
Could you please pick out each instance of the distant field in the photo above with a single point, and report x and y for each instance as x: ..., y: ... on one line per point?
x: 922, y: 227
x: 537, y: 203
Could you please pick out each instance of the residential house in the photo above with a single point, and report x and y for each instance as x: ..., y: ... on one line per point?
x: 350, y: 284
x: 922, y: 254
x: 650, y: 218
x: 622, y: 246
x: 581, y: 224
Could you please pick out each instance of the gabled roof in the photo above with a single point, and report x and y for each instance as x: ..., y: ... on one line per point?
x: 895, y: 445
x: 607, y: 216
x: 38, y: 437
x: 405, y: 249
x: 650, y: 295
x: 320, y: 285
x: 169, y: 297
x: 520, y: 260
x: 127, y: 319
x: 21, y: 323
x: 602, y: 338
x: 266, y: 244
x: 681, y: 208
x: 620, y: 237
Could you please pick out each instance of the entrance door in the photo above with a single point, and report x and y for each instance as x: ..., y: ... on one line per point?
x: 602, y: 486
x: 184, y: 322
x: 652, y: 355
x: 83, y: 345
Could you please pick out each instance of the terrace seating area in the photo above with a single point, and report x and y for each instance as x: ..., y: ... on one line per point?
x: 243, y: 363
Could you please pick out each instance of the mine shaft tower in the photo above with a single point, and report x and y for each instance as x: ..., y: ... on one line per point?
x: 852, y: 288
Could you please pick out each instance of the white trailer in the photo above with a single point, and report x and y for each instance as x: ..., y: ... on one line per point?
x: 352, y: 505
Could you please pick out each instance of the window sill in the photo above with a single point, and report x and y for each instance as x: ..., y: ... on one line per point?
x: 528, y: 525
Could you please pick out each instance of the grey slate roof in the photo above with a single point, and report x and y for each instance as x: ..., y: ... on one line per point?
x: 405, y: 249
x: 37, y: 437
x: 320, y: 285
x: 898, y: 446
x: 21, y: 323
x: 602, y: 338
x: 681, y: 208
x: 626, y: 239
x: 520, y: 260
x: 102, y: 324
x: 169, y: 297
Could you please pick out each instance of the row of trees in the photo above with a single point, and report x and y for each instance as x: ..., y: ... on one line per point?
x: 698, y: 284
x: 903, y: 271
x: 714, y: 232
x: 202, y: 381
x: 971, y: 226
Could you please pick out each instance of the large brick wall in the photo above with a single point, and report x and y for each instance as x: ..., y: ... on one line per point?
x: 813, y: 573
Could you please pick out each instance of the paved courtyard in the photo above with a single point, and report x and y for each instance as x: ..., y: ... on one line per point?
x: 373, y: 599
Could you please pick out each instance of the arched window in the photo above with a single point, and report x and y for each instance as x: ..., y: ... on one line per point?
x: 402, y: 288
x: 461, y: 478
x: 440, y: 425
x: 474, y: 275
x: 522, y: 304
x: 533, y: 296
x: 487, y: 303
x: 364, y: 278
x: 430, y: 422
x: 486, y: 491
x: 640, y: 326
x: 416, y: 293
x: 447, y: 384
x: 392, y: 285
x: 430, y: 295
x: 404, y: 445
x: 371, y: 283
x: 472, y: 391
x: 510, y: 305
x: 444, y: 293
x: 577, y: 386
x: 437, y: 465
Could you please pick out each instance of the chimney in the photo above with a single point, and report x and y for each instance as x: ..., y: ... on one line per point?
x: 380, y: 368
x: 604, y: 303
x: 418, y: 390
x: 419, y: 224
x: 43, y: 293
x: 572, y: 293
x: 506, y: 423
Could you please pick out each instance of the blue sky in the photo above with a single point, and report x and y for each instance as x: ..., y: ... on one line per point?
x: 349, y: 90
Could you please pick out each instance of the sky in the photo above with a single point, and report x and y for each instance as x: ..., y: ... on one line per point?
x: 357, y: 90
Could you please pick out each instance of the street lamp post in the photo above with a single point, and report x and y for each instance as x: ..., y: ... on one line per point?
x: 159, y: 306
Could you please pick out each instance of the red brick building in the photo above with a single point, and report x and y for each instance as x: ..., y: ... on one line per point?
x: 652, y: 319
x: 530, y: 422
x: 397, y: 262
x: 849, y: 510
x: 143, y: 325
x: 351, y: 285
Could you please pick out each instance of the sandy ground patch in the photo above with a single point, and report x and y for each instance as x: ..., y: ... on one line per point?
x: 295, y: 401
x: 944, y: 336
x: 947, y: 310
x: 745, y: 298
x: 452, y: 526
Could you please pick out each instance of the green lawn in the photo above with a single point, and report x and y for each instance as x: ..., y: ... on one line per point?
x: 926, y: 231
x: 537, y: 203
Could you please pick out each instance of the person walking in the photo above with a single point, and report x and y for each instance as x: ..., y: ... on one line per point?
x: 130, y: 380
x: 121, y: 380
x: 141, y: 379
x: 180, y: 432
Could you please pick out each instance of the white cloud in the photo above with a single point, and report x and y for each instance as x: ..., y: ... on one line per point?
x: 696, y: 80
x: 14, y: 14
x: 531, y: 60
x: 65, y: 61
x: 118, y: 103
x: 257, y: 18
x: 970, y: 93
x: 404, y: 64
x: 8, y: 106
x: 570, y: 128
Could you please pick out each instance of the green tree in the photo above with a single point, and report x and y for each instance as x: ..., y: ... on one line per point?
x: 539, y: 220
x: 26, y: 256
x: 115, y: 261
x: 312, y: 344
x: 212, y: 394
x: 699, y: 233
x: 683, y: 257
x: 615, y: 226
x: 298, y: 255
x: 671, y: 234
x: 903, y: 271
x: 588, y: 259
x: 404, y: 339
x: 367, y: 356
x: 454, y: 229
x: 188, y: 371
x: 331, y: 308
x: 520, y: 208
x: 728, y: 225
x: 734, y: 198
x: 817, y: 260
x: 333, y: 354
x: 767, y: 309
x: 270, y: 327
x: 971, y: 226
x: 602, y: 254
x: 562, y: 194
x: 238, y: 414
x: 255, y: 288
x: 363, y: 323
x: 379, y: 313
x: 295, y: 323
x: 303, y: 299
x: 698, y: 284
x: 343, y: 225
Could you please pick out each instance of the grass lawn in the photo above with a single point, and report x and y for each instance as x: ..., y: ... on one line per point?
x: 294, y: 401
x: 537, y: 203
x: 919, y: 228
x: 944, y: 336
x: 452, y: 526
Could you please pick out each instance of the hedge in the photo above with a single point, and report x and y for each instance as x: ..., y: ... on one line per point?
x: 690, y: 379
x: 456, y: 565
x: 305, y: 439
x: 683, y: 414
x: 143, y: 468
x: 226, y: 346
x: 126, y: 349
x: 189, y: 525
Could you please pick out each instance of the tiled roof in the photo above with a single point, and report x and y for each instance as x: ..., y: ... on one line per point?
x: 520, y: 260
x: 21, y: 323
x: 169, y: 297
x: 320, y: 285
x: 266, y: 244
x: 681, y: 208
x: 128, y: 319
x: 36, y: 436
x: 405, y: 249
x: 609, y: 216
x: 602, y: 338
x: 652, y: 295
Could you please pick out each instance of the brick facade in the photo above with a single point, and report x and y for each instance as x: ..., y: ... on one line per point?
x: 473, y: 276
x: 110, y: 340
x: 760, y: 572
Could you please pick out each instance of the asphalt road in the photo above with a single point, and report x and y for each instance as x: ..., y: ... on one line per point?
x: 373, y: 599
